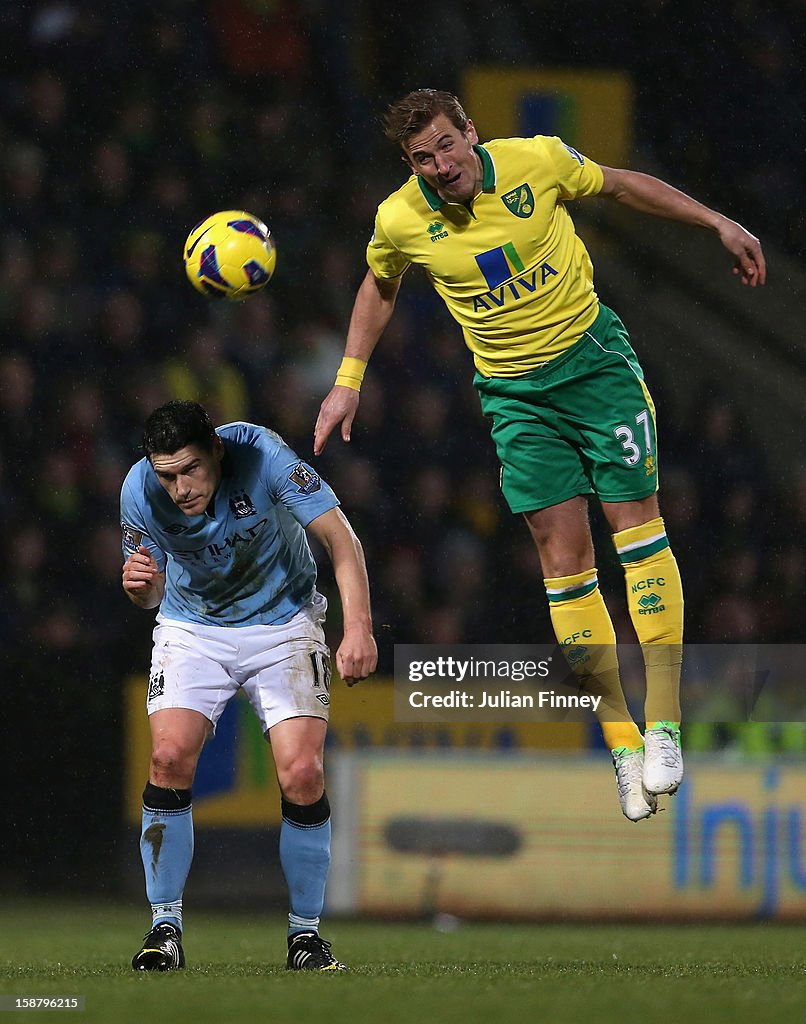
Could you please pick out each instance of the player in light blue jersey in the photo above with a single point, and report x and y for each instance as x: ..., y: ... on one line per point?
x: 214, y: 534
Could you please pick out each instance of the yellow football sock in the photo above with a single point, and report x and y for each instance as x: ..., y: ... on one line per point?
x: 582, y: 624
x: 655, y: 600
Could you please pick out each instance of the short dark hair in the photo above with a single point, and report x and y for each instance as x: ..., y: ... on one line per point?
x: 176, y: 425
x: 417, y: 110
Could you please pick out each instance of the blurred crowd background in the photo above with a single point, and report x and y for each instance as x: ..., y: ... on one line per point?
x: 123, y: 125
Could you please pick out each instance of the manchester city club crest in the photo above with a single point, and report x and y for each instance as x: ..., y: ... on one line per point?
x: 520, y: 201
x: 156, y: 686
x: 241, y: 505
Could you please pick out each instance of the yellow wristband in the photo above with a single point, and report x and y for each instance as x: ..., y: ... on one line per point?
x: 351, y: 373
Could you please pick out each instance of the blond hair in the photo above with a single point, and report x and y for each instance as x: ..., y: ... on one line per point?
x: 417, y: 110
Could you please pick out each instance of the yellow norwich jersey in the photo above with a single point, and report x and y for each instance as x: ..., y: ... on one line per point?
x: 510, y: 266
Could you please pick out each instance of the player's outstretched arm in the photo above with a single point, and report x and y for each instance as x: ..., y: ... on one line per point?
x: 143, y: 583
x: 651, y: 195
x: 373, y: 308
x: 357, y: 656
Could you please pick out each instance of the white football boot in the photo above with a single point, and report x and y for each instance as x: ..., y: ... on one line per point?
x: 636, y: 802
x: 663, y: 758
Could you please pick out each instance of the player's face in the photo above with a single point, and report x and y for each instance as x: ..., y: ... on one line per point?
x: 190, y: 476
x: 445, y: 157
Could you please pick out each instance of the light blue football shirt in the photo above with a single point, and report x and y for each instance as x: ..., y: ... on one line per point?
x: 245, y: 561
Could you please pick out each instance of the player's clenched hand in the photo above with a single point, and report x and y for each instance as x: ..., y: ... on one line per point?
x: 746, y: 248
x: 357, y: 656
x: 142, y: 579
x: 340, y: 406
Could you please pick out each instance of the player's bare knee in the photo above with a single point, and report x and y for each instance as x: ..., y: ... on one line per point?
x: 172, y: 765
x: 561, y: 555
x: 303, y: 780
x: 563, y: 540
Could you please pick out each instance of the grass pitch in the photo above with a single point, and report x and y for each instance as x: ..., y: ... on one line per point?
x: 409, y: 973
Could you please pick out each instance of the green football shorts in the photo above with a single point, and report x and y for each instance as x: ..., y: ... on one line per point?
x: 582, y: 424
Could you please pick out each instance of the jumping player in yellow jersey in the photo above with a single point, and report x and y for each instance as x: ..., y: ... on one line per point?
x: 571, y: 415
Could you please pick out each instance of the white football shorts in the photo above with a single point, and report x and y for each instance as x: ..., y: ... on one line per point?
x: 283, y: 670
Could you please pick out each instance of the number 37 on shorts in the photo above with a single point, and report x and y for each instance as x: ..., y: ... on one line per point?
x: 582, y: 424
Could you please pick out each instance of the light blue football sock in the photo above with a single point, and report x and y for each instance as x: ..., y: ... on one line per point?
x: 305, y: 859
x: 166, y: 846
